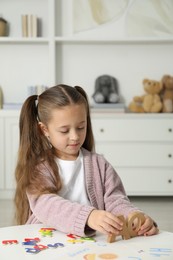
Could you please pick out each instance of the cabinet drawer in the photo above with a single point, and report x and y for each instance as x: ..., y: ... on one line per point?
x: 143, y: 181
x: 11, y: 148
x: 2, y: 168
x: 137, y: 154
x: 110, y: 129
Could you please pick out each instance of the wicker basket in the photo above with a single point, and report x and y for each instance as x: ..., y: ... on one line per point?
x: 3, y: 27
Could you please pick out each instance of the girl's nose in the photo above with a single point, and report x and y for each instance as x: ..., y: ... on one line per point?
x: 74, y: 136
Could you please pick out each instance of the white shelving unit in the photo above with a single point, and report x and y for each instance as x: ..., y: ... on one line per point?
x: 24, y: 61
x: 60, y: 56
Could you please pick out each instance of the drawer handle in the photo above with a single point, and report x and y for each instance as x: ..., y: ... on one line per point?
x: 169, y: 181
x: 170, y: 155
x: 101, y: 130
x: 170, y: 130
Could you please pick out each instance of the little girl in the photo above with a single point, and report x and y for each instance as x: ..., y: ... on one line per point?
x: 61, y: 181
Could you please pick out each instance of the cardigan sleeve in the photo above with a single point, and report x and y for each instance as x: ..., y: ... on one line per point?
x: 54, y: 211
x: 104, y: 186
x: 115, y: 198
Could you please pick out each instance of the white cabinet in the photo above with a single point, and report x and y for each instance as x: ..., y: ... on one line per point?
x: 9, y: 139
x: 1, y: 154
x: 140, y: 148
x: 11, y: 148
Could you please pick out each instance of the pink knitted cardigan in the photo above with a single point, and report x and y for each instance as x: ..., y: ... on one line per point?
x: 105, y: 191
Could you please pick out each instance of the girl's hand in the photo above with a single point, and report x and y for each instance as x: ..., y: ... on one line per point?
x: 104, y: 222
x: 149, y: 227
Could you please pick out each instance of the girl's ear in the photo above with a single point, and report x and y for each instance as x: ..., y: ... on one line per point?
x: 43, y: 129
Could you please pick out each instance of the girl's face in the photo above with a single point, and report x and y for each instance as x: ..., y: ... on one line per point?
x: 66, y: 130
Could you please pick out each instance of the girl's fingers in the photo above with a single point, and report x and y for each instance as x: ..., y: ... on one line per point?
x: 110, y: 229
x: 147, y: 224
x: 102, y: 230
x: 148, y: 228
x: 104, y: 222
x: 111, y: 224
x: 153, y: 231
x: 115, y: 222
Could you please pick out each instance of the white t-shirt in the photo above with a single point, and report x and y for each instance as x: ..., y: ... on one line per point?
x: 73, y: 180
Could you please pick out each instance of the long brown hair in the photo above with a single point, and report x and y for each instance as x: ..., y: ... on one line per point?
x: 34, y: 148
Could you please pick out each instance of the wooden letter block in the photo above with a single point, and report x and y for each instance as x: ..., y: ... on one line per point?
x: 130, y: 226
x: 135, y: 221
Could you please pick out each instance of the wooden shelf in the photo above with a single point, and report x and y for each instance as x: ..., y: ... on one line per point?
x: 78, y: 39
x: 23, y: 40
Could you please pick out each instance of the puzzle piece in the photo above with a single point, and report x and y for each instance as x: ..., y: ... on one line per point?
x: 72, y: 236
x: 55, y: 245
x: 36, y: 239
x: 91, y: 239
x: 9, y: 242
x: 75, y: 241
x: 47, y: 231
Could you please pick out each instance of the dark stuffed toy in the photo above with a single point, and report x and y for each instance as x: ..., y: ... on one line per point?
x: 106, y: 90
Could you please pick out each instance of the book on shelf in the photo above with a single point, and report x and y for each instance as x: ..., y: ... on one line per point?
x: 24, y: 26
x: 34, y: 26
x: 29, y: 25
x: 108, y: 107
x: 31, y: 90
x: 29, y: 17
x: 15, y: 106
x: 36, y: 90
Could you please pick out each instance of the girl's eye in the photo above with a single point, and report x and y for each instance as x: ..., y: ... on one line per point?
x: 77, y: 129
x: 64, y: 132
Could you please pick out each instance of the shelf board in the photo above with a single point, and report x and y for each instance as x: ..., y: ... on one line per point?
x: 77, y: 39
x: 129, y: 115
x: 29, y: 40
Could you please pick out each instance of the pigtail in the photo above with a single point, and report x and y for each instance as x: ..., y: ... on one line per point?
x: 89, y: 140
x: 27, y: 131
x: 28, y: 126
x: 34, y: 150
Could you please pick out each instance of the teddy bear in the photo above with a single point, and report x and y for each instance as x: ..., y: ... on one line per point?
x: 106, y: 90
x: 136, y: 106
x: 167, y: 94
x: 149, y: 102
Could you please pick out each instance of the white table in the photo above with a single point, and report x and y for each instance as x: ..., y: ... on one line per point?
x: 156, y: 247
